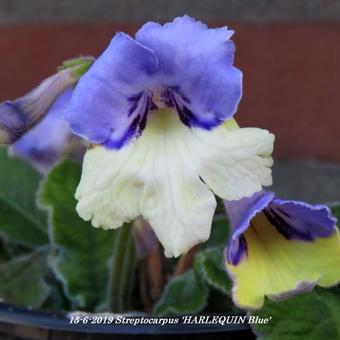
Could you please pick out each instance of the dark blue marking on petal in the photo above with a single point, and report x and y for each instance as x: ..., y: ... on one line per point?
x: 135, y: 102
x: 180, y: 103
x: 186, y: 115
x: 144, y: 116
x: 177, y: 90
x: 241, y: 214
x: 301, y: 221
x: 136, y: 97
x: 166, y: 98
x: 235, y: 257
x: 284, y: 227
x: 152, y: 105
x: 138, y: 123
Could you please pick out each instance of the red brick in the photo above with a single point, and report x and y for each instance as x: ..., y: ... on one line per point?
x: 291, y: 75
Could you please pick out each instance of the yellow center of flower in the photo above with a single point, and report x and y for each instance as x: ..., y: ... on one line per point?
x: 279, y: 268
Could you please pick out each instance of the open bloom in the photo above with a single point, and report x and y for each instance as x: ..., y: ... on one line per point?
x: 34, y: 124
x: 157, y: 107
x: 280, y: 248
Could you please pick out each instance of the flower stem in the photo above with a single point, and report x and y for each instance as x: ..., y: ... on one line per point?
x: 128, y: 274
x: 122, y: 270
x: 185, y: 261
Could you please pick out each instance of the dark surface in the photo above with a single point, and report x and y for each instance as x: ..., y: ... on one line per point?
x: 24, y: 323
x: 254, y: 11
x: 10, y: 332
x: 311, y: 181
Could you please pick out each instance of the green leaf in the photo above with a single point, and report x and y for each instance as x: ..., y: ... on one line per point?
x: 5, y: 253
x: 21, y: 221
x: 210, y: 264
x: 184, y: 294
x: 81, y: 259
x: 22, y: 280
x: 219, y: 232
x: 311, y: 316
x: 123, y: 266
x: 219, y: 303
x: 56, y: 300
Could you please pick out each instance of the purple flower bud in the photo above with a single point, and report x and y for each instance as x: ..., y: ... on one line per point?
x: 22, y: 114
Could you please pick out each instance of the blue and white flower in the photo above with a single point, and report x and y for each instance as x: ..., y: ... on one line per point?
x: 158, y: 110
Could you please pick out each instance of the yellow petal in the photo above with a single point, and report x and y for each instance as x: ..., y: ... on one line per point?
x: 279, y: 268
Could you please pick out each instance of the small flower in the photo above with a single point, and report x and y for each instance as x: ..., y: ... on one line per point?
x: 157, y: 105
x: 51, y: 139
x: 19, y: 116
x: 280, y: 248
x: 35, y: 123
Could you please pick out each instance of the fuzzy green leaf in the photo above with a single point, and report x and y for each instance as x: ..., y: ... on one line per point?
x: 312, y: 316
x: 56, y: 300
x: 21, y: 221
x: 122, y: 271
x: 210, y: 265
x: 219, y: 232
x: 82, y: 252
x: 184, y: 294
x: 22, y: 280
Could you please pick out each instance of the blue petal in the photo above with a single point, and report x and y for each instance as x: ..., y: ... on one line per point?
x: 299, y: 220
x: 108, y: 105
x: 19, y: 116
x: 197, y: 63
x: 44, y: 144
x: 295, y: 220
x: 240, y: 214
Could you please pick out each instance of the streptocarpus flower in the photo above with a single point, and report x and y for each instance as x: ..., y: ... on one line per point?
x: 50, y: 139
x: 42, y: 143
x: 280, y: 248
x: 157, y: 105
x: 19, y: 116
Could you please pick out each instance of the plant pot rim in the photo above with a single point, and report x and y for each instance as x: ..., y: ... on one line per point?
x: 60, y: 321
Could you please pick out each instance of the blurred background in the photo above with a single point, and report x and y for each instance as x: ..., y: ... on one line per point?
x: 288, y: 50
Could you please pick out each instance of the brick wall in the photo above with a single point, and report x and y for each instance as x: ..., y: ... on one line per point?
x: 288, y: 50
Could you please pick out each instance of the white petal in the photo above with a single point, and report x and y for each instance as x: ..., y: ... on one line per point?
x: 234, y: 162
x: 109, y: 189
x: 159, y: 176
x: 177, y: 204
